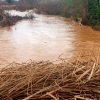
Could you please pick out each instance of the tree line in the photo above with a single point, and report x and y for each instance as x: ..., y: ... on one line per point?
x: 88, y: 10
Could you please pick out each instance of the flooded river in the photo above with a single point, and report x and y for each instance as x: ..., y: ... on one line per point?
x: 45, y: 38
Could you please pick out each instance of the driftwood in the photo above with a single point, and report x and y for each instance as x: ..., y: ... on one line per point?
x: 69, y: 80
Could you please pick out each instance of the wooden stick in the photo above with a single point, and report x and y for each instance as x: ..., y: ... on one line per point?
x: 92, y: 71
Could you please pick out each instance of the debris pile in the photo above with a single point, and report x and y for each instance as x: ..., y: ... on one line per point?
x: 70, y: 80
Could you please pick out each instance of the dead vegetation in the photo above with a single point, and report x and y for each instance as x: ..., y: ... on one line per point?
x: 76, y: 79
x: 8, y: 20
x: 12, y: 20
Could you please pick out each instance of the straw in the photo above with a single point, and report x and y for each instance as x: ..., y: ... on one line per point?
x: 44, y: 80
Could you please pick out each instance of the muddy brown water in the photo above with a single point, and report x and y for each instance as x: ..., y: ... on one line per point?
x: 45, y: 38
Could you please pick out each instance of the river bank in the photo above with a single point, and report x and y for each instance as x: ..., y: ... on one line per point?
x: 10, y: 18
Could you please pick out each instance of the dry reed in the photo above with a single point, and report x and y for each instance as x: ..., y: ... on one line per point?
x: 75, y: 79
